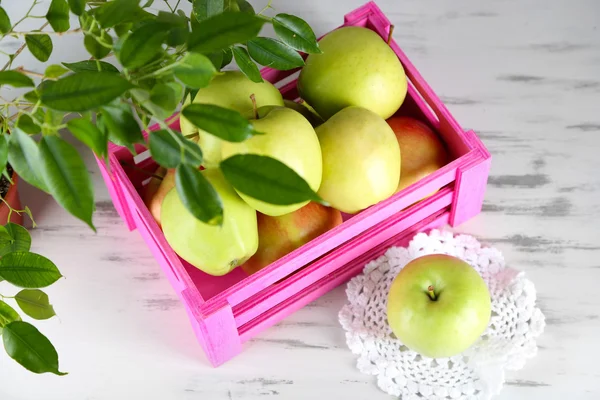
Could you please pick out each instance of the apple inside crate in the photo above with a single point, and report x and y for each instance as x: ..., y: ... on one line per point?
x: 225, y: 311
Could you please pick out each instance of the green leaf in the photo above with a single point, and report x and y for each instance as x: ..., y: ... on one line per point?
x: 207, y: 8
x: 26, y: 123
x: 27, y: 346
x: 90, y: 65
x: 123, y: 28
x: 67, y: 178
x: 198, y: 195
x: 15, y: 79
x: 178, y: 27
x: 87, y: 21
x: 171, y: 149
x: 189, y: 94
x: 272, y: 53
x: 14, y: 237
x: 32, y: 96
x: 245, y: 7
x: 5, y: 25
x: 58, y: 15
x: 24, y: 156
x: 231, y: 5
x: 4, y: 151
x: 195, y: 70
x: 27, y: 211
x: 52, y: 119
x: 172, y: 19
x: 224, y: 123
x: 227, y: 57
x: 296, y: 33
x: 246, y: 65
x: 35, y: 303
x: 267, y: 179
x: 7, y: 315
x: 166, y: 95
x: 216, y: 58
x: 28, y: 270
x: 115, y: 12
x: 141, y: 17
x: 77, y: 6
x: 123, y: 129
x: 223, y: 30
x: 177, y: 36
x: 55, y: 71
x: 86, y: 132
x: 83, y: 91
x: 142, y: 45
x: 142, y: 97
x: 40, y: 45
x: 93, y: 46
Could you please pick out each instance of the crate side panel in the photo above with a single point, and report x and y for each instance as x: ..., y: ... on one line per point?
x: 276, y: 314
x: 154, y: 237
x: 335, y: 237
x: 331, y: 262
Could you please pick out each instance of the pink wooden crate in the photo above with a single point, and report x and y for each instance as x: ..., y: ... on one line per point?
x: 228, y: 310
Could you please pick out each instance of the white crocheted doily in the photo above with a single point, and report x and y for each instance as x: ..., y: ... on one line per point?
x: 478, y: 373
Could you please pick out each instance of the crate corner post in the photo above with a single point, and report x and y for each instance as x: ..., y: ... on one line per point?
x: 218, y: 335
x: 471, y: 184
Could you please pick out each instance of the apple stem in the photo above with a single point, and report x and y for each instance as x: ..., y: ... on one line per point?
x: 254, y: 108
x: 389, y: 39
x: 431, y: 293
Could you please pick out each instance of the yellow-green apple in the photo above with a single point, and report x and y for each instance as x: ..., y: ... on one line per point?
x: 288, y: 137
x: 156, y: 190
x: 356, y: 68
x: 230, y: 89
x: 361, y: 160
x: 213, y: 249
x: 438, y: 305
x: 278, y: 236
x: 306, y: 110
x: 423, y: 152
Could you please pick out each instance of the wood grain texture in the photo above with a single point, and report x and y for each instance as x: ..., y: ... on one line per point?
x: 524, y: 75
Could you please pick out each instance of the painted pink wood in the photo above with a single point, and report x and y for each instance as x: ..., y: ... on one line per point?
x: 225, y: 311
x: 152, y: 234
x: 115, y: 194
x: 221, y: 336
x: 471, y: 181
x: 342, y: 255
x: 331, y: 281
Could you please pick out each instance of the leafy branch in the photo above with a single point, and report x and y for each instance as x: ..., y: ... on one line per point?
x: 157, y: 60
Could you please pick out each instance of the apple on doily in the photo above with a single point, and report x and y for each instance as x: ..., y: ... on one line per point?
x: 441, y: 319
x: 438, y: 305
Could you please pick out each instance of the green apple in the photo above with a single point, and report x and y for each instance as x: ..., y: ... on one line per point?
x: 438, y: 305
x: 288, y: 137
x: 306, y: 110
x: 361, y: 160
x: 356, y: 68
x: 215, y: 250
x: 230, y: 89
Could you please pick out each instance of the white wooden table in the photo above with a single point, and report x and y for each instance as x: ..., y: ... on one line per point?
x: 524, y: 74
